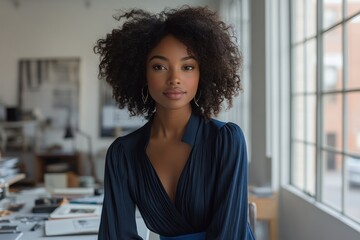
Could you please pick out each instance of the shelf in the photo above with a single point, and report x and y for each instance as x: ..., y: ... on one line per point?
x: 15, y: 178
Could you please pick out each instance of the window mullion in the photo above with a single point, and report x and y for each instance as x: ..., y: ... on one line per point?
x: 291, y: 85
x: 344, y: 107
x: 305, y: 99
x: 319, y: 120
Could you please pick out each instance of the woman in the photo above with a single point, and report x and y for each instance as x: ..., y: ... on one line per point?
x: 186, y: 172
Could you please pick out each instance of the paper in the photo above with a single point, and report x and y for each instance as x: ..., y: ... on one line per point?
x: 76, y: 210
x: 72, y: 226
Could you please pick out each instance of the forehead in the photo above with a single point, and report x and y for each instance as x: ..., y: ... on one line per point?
x: 170, y: 46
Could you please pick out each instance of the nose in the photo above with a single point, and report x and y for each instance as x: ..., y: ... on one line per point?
x: 174, y: 78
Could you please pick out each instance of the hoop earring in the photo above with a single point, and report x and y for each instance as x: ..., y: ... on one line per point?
x: 196, y: 100
x: 144, y: 98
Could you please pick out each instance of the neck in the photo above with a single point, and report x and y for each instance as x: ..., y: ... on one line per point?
x: 170, y: 124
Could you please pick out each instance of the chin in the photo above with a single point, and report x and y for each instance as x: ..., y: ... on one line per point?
x: 174, y: 106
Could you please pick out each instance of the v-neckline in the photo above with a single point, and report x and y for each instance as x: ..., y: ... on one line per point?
x: 189, y: 137
x: 158, y: 180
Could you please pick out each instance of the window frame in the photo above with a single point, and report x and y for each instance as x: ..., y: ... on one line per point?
x: 320, y: 93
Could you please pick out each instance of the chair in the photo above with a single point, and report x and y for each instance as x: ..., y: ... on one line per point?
x: 252, y: 215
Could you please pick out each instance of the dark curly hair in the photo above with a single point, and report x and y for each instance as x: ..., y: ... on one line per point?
x: 124, y: 51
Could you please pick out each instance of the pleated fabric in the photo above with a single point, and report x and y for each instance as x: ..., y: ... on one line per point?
x: 192, y: 236
x: 211, y: 195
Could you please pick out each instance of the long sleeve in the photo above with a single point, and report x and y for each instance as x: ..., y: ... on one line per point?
x: 118, y: 212
x: 230, y: 203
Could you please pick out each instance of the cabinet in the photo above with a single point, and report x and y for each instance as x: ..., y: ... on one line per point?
x: 56, y: 162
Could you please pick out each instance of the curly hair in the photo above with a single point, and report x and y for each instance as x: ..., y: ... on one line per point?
x: 124, y: 51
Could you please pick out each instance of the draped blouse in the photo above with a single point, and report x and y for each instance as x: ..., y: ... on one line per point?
x: 211, y: 193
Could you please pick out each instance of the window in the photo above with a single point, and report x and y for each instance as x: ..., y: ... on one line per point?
x: 325, y: 97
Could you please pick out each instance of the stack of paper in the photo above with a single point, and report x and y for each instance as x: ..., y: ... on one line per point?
x: 8, y: 167
x: 72, y: 226
x: 74, y: 219
x: 76, y: 211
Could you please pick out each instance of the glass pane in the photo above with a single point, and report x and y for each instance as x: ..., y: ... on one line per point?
x: 352, y: 194
x: 332, y: 10
x: 297, y: 167
x: 310, y: 170
x: 353, y: 6
x: 333, y: 65
x: 353, y: 40
x: 298, y: 10
x: 298, y: 111
x: 331, y: 179
x: 353, y: 123
x: 311, y: 66
x: 332, y: 121
x: 310, y: 18
x: 298, y: 82
x: 311, y: 118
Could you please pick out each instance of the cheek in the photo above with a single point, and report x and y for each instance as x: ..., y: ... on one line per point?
x: 194, y: 82
x: 154, y: 85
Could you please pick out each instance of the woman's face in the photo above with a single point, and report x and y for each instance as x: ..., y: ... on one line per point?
x: 172, y: 74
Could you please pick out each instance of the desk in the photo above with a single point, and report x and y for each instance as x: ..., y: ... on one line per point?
x: 267, y: 209
x: 29, y: 198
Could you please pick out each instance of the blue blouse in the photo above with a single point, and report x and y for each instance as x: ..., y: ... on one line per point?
x: 211, y: 195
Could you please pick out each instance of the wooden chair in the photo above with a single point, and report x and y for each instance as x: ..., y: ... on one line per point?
x: 252, y: 215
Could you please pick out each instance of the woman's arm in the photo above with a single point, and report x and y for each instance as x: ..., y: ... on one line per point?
x: 118, y: 212
x: 230, y: 219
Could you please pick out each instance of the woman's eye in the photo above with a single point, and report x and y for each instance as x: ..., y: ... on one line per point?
x: 158, y: 67
x: 188, y: 68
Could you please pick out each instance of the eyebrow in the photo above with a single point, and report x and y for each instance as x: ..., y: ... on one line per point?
x: 166, y: 59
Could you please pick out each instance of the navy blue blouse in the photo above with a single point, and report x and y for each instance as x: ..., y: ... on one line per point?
x: 211, y: 194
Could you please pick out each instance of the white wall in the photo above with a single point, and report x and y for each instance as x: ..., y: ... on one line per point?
x: 301, y: 219
x: 65, y: 28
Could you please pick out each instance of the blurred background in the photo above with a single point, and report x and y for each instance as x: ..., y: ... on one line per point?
x: 299, y: 110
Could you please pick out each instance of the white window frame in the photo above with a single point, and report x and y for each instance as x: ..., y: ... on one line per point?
x: 319, y: 96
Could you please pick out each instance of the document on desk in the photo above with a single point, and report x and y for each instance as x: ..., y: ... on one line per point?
x: 72, y: 226
x: 11, y: 236
x: 76, y: 210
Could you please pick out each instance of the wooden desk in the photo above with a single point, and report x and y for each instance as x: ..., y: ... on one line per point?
x: 267, y: 210
x: 42, y: 160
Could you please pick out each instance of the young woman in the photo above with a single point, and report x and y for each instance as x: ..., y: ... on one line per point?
x: 186, y: 172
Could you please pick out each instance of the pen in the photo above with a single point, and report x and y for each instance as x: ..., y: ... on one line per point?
x: 36, y: 226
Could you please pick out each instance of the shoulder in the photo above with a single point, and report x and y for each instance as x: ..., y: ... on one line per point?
x: 132, y: 139
x: 129, y: 142
x: 227, y: 129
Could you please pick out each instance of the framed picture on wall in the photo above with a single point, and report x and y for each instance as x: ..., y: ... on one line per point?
x: 50, y: 86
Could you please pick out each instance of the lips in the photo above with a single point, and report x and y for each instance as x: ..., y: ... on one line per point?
x: 174, y: 94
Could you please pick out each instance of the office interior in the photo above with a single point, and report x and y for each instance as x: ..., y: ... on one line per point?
x: 298, y: 108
